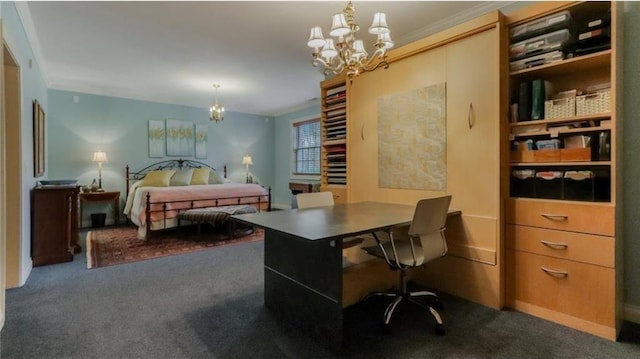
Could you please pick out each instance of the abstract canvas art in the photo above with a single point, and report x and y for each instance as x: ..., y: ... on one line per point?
x: 412, y: 139
x: 201, y: 140
x: 156, y: 138
x: 180, y: 138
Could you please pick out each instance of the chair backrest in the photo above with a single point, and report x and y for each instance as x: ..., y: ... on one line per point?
x: 428, y: 223
x: 314, y: 199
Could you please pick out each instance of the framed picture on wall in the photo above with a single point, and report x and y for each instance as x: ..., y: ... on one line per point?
x: 180, y: 138
x: 201, y: 140
x: 38, y: 139
x: 156, y: 138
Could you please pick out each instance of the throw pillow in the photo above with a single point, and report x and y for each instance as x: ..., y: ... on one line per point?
x: 215, y: 178
x: 200, y: 176
x: 157, y: 178
x: 181, y: 178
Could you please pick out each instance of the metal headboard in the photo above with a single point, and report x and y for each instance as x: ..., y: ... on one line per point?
x: 166, y: 165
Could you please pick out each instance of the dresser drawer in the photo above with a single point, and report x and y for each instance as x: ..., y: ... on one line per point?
x: 574, y: 246
x: 585, y: 217
x: 580, y: 290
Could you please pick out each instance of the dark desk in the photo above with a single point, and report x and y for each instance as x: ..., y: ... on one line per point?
x: 303, y: 260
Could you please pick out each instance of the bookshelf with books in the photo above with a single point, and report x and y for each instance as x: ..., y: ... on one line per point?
x: 334, y: 125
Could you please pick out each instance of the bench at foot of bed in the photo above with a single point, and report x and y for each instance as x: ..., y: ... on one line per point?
x: 217, y: 216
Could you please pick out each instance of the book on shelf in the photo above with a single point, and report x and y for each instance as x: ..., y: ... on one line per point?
x: 338, y: 138
x: 337, y: 133
x: 340, y: 98
x: 336, y: 106
x: 339, y: 118
x: 341, y: 141
x: 336, y: 125
x: 336, y: 90
x: 340, y: 111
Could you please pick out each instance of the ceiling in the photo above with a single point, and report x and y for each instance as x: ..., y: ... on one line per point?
x: 173, y: 52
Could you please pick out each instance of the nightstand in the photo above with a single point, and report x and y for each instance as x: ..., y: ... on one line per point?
x: 102, y: 197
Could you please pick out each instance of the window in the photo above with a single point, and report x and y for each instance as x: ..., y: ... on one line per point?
x: 306, y: 147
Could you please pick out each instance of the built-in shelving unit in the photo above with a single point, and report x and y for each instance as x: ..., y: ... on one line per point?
x: 334, y: 118
x: 562, y: 245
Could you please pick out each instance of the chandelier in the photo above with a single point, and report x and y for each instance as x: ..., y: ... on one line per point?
x: 216, y: 112
x: 347, y: 53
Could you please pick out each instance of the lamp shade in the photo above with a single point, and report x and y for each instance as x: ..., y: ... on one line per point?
x: 247, y: 160
x: 316, y: 40
x: 99, y: 156
x: 379, y: 24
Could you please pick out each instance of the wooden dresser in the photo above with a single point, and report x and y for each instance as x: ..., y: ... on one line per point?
x: 54, y: 224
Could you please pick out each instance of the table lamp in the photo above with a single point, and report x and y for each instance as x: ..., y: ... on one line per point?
x: 100, y: 156
x: 246, y: 160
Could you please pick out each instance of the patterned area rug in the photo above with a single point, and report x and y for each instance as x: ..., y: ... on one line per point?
x: 113, y: 246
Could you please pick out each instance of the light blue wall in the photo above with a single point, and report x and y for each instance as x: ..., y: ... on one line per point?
x: 32, y: 88
x: 120, y: 127
x: 282, y: 152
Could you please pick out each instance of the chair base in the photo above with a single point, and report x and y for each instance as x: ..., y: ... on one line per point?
x: 404, y: 294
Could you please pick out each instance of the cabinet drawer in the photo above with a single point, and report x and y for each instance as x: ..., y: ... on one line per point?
x: 574, y: 246
x: 595, y: 218
x: 339, y: 193
x: 586, y: 291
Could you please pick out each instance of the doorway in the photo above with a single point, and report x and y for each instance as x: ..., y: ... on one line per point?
x: 12, y: 167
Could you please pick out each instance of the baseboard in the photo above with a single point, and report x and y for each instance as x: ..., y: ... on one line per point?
x: 631, y: 313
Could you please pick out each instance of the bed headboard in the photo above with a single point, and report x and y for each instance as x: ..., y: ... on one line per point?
x: 165, y: 165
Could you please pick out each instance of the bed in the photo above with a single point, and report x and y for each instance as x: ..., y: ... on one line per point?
x: 159, y: 192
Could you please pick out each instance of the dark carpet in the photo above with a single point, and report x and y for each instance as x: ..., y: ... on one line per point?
x: 209, y: 304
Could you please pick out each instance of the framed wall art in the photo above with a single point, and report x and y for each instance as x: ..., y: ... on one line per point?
x: 156, y: 138
x: 201, y: 140
x: 180, y: 138
x: 38, y: 139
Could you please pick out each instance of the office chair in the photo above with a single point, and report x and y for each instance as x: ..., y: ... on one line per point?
x: 314, y: 199
x: 424, y: 242
x: 321, y: 199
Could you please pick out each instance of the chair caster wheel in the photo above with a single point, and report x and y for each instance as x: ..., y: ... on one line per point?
x: 439, y: 329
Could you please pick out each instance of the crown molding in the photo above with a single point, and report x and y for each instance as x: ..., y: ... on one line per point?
x: 459, y: 18
x: 22, y: 7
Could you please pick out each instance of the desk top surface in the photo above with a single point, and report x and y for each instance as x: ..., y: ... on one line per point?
x: 332, y: 222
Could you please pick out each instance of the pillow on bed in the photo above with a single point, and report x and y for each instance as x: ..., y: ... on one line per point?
x: 181, y: 178
x: 200, y: 176
x: 157, y: 178
x: 215, y: 178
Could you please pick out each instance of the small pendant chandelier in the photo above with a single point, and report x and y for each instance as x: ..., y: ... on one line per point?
x: 216, y: 112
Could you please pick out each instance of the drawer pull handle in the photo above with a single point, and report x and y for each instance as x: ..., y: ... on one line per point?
x: 555, y: 217
x: 554, y: 245
x: 555, y: 273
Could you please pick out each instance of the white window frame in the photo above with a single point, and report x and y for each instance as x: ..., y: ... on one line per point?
x: 294, y: 124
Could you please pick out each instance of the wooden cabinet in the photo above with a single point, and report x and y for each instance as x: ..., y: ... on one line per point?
x: 474, y: 128
x: 334, y: 126
x: 54, y: 224
x: 563, y: 243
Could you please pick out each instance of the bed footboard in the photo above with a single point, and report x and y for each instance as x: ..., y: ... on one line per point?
x: 262, y: 203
